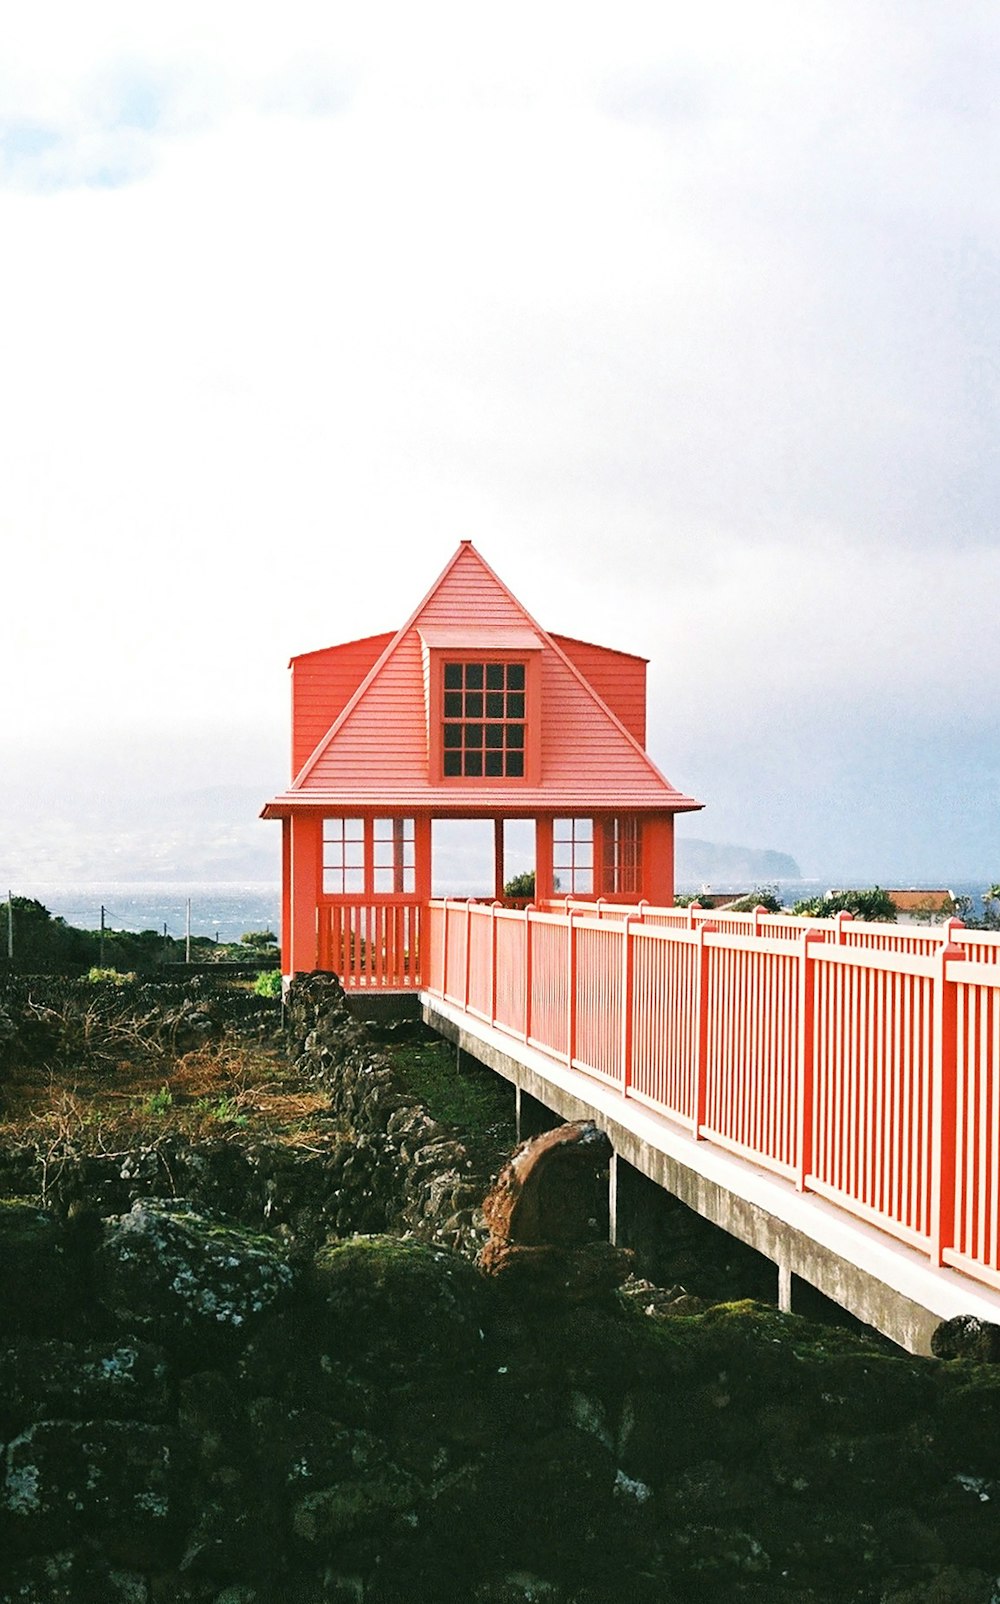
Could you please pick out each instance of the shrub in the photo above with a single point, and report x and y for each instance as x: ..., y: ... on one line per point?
x: 765, y: 897
x: 874, y: 905
x: 268, y: 983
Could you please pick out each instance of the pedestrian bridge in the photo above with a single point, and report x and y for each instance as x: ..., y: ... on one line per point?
x: 828, y: 1091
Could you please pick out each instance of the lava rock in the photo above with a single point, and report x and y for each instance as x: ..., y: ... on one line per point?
x: 164, y: 1264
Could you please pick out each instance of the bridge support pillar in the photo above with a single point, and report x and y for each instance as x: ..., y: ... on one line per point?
x: 532, y: 1117
x: 785, y: 1288
x: 613, y: 1229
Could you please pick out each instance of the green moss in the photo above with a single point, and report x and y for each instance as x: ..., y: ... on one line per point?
x: 354, y: 1507
x: 469, y: 1096
x: 388, y: 1298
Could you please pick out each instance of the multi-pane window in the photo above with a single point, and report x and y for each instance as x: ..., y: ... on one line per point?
x: 484, y: 720
x: 622, y: 869
x: 573, y: 855
x: 343, y: 856
x: 362, y: 857
x: 393, y: 856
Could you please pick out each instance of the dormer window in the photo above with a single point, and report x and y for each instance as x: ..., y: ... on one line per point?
x: 484, y: 720
x: 483, y: 705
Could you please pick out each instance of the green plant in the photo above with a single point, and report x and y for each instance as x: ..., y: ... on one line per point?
x: 873, y: 905
x: 466, y: 1096
x: 158, y: 1103
x: 224, y: 1109
x: 111, y: 977
x: 765, y: 897
x: 522, y: 885
x: 268, y: 983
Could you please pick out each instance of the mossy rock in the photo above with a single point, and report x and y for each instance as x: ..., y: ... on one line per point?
x: 397, y: 1304
x: 965, y: 1423
x: 122, y: 1479
x: 167, y: 1269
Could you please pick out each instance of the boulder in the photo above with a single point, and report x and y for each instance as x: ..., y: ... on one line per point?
x: 387, y: 1298
x: 164, y: 1265
x: 543, y: 1215
x: 82, y: 1381
x: 41, y: 1286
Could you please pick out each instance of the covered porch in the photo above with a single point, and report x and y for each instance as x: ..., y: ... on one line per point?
x: 357, y: 887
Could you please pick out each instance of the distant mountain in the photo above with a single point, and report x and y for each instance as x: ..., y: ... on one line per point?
x: 709, y: 863
x: 208, y: 834
x: 215, y: 833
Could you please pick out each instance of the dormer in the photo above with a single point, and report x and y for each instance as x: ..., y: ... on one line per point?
x: 484, y: 714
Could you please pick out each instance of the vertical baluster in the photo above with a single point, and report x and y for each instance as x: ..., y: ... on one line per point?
x: 945, y: 1025
x: 805, y: 1059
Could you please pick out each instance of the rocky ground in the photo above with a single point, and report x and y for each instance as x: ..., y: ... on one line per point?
x: 212, y: 1389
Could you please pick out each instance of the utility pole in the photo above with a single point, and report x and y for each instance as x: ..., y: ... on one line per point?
x: 10, y: 925
x: 187, y: 934
x: 101, y: 958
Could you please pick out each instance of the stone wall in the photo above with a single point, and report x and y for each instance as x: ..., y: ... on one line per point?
x: 212, y: 1393
x: 407, y: 1171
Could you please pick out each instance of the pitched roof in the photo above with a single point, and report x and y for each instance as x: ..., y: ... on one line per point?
x: 375, y: 753
x: 918, y: 901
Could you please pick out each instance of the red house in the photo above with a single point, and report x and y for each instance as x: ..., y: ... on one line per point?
x: 470, y: 711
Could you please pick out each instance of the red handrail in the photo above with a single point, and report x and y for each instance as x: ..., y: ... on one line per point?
x: 861, y: 1062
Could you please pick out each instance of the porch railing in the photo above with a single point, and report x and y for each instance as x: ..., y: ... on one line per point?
x: 372, y: 945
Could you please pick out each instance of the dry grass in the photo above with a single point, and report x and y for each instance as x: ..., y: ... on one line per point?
x: 224, y: 1090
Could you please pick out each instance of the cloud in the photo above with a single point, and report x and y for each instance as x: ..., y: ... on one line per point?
x: 688, y: 318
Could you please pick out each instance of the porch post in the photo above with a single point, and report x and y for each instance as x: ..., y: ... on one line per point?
x: 543, y: 861
x: 306, y: 868
x: 286, y: 896
x: 422, y: 857
x: 658, y: 859
x: 498, y: 859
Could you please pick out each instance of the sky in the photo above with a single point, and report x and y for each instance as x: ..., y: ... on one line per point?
x: 687, y: 316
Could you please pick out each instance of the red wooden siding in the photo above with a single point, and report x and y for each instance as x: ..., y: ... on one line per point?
x: 381, y: 745
x: 322, y: 685
x: 618, y: 678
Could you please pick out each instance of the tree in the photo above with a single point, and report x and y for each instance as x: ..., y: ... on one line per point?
x: 990, y: 919
x: 42, y: 941
x: 521, y: 886
x: 259, y: 939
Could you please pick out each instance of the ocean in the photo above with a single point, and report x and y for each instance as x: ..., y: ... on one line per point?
x: 221, y: 910
x: 225, y: 910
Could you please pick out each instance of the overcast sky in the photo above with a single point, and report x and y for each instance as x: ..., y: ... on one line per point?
x: 687, y: 316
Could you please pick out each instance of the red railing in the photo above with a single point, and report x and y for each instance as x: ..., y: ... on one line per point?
x: 372, y: 944
x: 860, y: 1061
